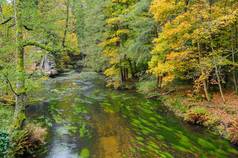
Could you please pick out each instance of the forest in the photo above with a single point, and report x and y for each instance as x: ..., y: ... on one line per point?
x: 118, y: 78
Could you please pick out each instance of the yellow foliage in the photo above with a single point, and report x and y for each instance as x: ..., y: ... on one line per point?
x: 113, y: 72
x: 121, y: 1
x: 112, y: 54
x: 72, y: 40
x: 122, y: 31
x: 168, y: 78
x: 164, y: 9
x: 178, y: 55
x: 114, y: 21
x: 111, y: 41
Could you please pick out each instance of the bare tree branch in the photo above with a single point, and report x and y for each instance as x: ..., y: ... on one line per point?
x: 10, y: 85
x: 6, y: 21
x: 27, y: 28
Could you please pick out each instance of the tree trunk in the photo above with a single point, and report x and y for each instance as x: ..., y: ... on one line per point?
x: 121, y: 72
x: 219, y: 83
x: 131, y: 69
x: 159, y: 81
x: 66, y: 23
x: 234, y: 42
x: 125, y: 74
x: 205, y: 90
x: 19, y: 115
x: 234, y: 69
x: 204, y: 82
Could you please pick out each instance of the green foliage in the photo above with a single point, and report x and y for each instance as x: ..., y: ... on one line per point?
x: 18, y: 142
x: 116, y: 36
x: 143, y: 31
x: 4, y: 144
x: 6, y: 114
x: 179, y: 106
x: 146, y: 87
x: 127, y: 40
x: 41, y: 23
x: 90, y: 28
x: 85, y: 153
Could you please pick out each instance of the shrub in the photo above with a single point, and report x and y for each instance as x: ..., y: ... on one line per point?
x: 177, y: 104
x: 4, y: 143
x: 27, y: 141
x: 197, y: 115
x: 233, y: 131
x: 213, y: 121
x: 37, y: 133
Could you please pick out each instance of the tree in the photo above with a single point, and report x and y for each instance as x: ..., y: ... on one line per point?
x: 27, y: 39
x: 191, y: 42
x: 19, y: 115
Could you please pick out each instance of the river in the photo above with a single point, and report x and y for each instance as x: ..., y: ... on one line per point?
x: 87, y: 120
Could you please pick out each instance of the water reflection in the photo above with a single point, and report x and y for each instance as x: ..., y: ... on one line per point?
x: 89, y: 120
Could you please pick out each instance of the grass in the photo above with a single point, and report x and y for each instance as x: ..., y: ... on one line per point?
x: 6, y: 114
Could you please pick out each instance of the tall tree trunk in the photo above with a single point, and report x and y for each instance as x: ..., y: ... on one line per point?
x: 205, y: 90
x: 66, y: 22
x: 121, y: 72
x: 131, y: 69
x: 19, y: 115
x: 211, y: 45
x: 204, y: 82
x: 234, y: 68
x: 219, y: 83
x: 125, y: 73
x: 159, y: 81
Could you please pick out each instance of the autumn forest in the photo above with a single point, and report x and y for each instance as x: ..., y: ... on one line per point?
x: 118, y: 79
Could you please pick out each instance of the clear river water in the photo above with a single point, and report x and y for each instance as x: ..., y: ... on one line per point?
x: 87, y: 120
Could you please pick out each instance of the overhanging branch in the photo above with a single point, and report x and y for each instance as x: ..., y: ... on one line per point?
x: 48, y: 48
x: 39, y: 45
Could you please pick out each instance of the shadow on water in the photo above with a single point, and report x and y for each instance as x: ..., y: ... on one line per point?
x: 87, y: 120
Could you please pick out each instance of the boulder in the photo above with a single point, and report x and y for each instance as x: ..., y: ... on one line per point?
x: 48, y: 65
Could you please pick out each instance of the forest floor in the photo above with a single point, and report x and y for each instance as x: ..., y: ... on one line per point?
x: 221, y: 118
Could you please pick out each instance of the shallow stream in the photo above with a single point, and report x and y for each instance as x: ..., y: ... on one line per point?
x: 87, y: 120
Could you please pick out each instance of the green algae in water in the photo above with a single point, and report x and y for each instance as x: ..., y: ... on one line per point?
x: 149, y: 125
x: 158, y: 133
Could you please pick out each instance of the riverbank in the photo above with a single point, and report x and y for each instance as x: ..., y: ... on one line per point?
x: 220, y: 118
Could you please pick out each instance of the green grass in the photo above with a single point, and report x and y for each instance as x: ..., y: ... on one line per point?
x: 6, y: 113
